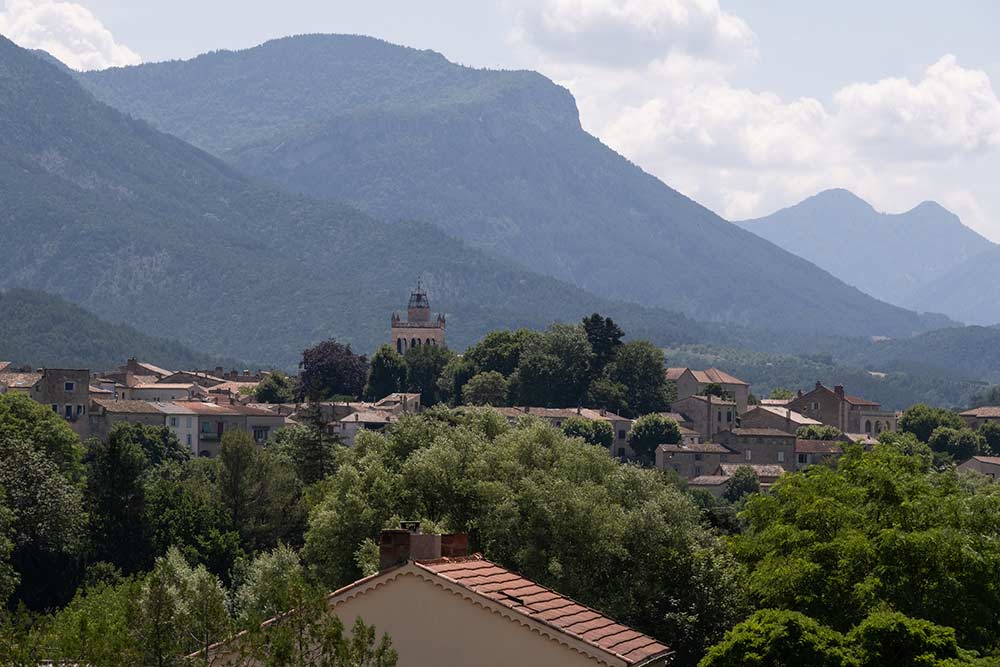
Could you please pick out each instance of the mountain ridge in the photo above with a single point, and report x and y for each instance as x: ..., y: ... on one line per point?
x: 495, y: 158
x: 847, y: 236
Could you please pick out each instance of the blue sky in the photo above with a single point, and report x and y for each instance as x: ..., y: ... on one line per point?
x: 745, y: 106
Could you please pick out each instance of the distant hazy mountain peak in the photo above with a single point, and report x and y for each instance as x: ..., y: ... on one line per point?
x: 888, y: 255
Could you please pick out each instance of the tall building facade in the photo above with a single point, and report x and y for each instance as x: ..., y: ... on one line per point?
x: 420, y: 327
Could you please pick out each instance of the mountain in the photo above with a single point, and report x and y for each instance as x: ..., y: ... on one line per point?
x: 46, y: 330
x: 496, y: 158
x: 138, y: 226
x: 968, y: 292
x: 890, y: 256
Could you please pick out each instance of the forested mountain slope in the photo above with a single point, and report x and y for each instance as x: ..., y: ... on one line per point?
x: 139, y: 227
x: 498, y: 159
x: 45, y: 330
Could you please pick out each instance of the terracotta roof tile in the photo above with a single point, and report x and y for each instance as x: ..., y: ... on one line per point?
x: 985, y: 412
x: 538, y: 602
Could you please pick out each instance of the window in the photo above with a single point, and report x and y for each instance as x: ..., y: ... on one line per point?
x: 621, y: 452
x: 188, y: 439
x: 558, y: 423
x: 748, y: 454
x: 69, y: 386
x: 188, y: 422
x: 206, y: 427
x: 69, y: 412
x: 79, y: 410
x: 720, y: 416
x: 803, y: 458
x: 729, y: 415
x: 621, y: 434
x: 173, y: 422
x: 260, y: 433
x: 781, y: 457
x: 55, y: 408
x: 815, y: 405
x: 698, y: 457
x: 697, y: 471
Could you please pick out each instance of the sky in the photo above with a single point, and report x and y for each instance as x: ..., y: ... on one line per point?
x: 746, y: 106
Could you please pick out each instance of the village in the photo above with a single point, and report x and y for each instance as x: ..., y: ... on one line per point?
x: 722, y: 426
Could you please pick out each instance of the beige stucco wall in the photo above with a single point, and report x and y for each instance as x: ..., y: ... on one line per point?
x: 430, y: 626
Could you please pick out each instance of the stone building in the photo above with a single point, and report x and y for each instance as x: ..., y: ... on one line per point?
x: 420, y: 327
x: 707, y: 415
x: 690, y: 382
x: 850, y: 414
x: 779, y: 417
x: 695, y: 460
x: 767, y: 446
x: 65, y: 390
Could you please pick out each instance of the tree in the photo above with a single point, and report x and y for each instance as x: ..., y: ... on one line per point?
x: 649, y: 432
x: 605, y: 340
x: 555, y: 368
x: 743, y: 483
x: 921, y: 420
x: 183, y: 510
x: 116, y: 498
x: 424, y: 364
x: 960, y: 444
x: 8, y: 576
x: 260, y: 494
x: 639, y: 367
x: 990, y: 433
x: 48, y: 523
x: 506, y: 485
x: 779, y: 638
x: 818, y: 432
x: 489, y: 388
x: 781, y: 394
x: 330, y: 369
x: 266, y: 589
x: 275, y: 387
x: 454, y: 375
x: 500, y: 351
x: 594, y: 432
x: 607, y: 394
x: 883, y: 529
x: 386, y: 374
x: 312, y: 453
x: 158, y: 443
x: 98, y: 627
x: 892, y: 639
x: 24, y: 419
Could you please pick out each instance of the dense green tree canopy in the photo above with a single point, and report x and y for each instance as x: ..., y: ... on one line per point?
x: 883, y: 528
x: 331, y: 369
x: 487, y: 388
x: 424, y: 365
x: 386, y: 374
x: 638, y: 366
x: 275, y: 387
x: 921, y: 420
x: 23, y: 418
x: 472, y: 471
x: 649, y: 432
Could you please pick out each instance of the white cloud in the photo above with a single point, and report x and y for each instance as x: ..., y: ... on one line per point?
x: 950, y: 111
x: 631, y: 32
x: 67, y: 30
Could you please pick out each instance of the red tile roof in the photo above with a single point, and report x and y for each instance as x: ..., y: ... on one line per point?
x: 541, y: 604
x: 818, y: 447
x: 855, y: 400
x: 699, y: 448
x: 985, y: 412
x: 707, y: 376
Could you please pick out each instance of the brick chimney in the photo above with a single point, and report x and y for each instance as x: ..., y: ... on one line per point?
x: 839, y: 390
x: 398, y: 546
